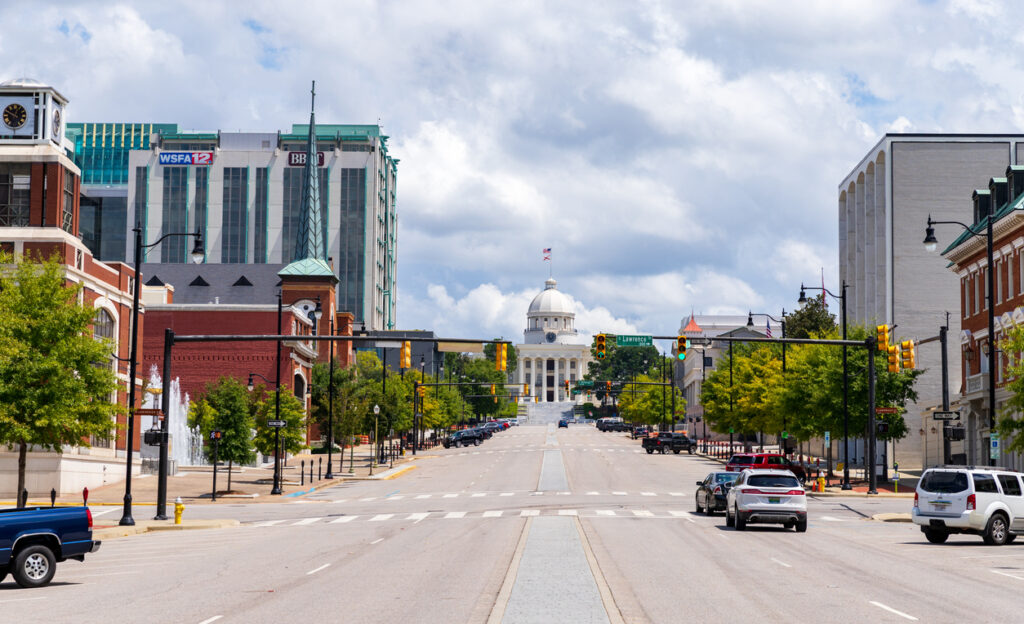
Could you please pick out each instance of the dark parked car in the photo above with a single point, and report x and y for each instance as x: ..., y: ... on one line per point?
x: 492, y: 426
x: 712, y: 491
x: 466, y: 437
x: 563, y: 423
x: 668, y: 441
x: 764, y: 461
x: 640, y: 431
x: 34, y: 540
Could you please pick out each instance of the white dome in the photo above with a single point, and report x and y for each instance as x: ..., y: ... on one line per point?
x: 24, y: 83
x: 550, y: 301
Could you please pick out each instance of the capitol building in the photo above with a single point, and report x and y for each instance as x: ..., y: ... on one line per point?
x: 551, y: 355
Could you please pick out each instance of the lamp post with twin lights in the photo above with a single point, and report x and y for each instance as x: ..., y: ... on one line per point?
x: 931, y: 244
x: 782, y: 322
x: 846, y: 381
x: 198, y: 254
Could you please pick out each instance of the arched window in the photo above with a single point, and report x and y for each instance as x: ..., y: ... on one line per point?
x: 103, y: 325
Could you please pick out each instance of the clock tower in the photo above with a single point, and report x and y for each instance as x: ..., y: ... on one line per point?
x: 31, y: 112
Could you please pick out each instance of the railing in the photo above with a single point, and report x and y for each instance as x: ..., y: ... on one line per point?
x: 976, y: 383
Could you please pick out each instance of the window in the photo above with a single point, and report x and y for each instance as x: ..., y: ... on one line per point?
x: 967, y: 298
x: 233, y: 232
x: 175, y: 214
x: 260, y: 217
x: 984, y: 483
x: 14, y: 195
x: 977, y: 302
x: 1011, y: 485
x: 201, y: 197
x: 944, y: 482
x: 68, y: 211
x: 999, y: 282
x: 779, y: 481
x: 103, y: 325
x: 983, y: 278
x: 1009, y: 278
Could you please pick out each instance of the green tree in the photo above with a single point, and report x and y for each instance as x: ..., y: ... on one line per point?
x: 1010, y: 422
x: 292, y: 435
x: 231, y: 412
x: 56, y: 380
x: 811, y: 320
x: 346, y: 399
x: 621, y: 363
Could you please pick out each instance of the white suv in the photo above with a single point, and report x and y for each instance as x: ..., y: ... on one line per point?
x: 964, y: 499
x: 770, y: 496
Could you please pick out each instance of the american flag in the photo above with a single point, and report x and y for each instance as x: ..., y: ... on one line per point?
x: 547, y: 253
x: 767, y: 328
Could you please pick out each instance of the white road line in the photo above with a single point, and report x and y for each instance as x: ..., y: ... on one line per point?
x: 536, y: 493
x: 422, y: 496
x: 450, y: 496
x: 605, y: 512
x: 830, y: 519
x: 781, y: 563
x: 455, y: 514
x: 679, y: 514
x: 642, y: 513
x: 529, y: 512
x: 564, y: 493
x: 340, y: 500
x: 326, y: 565
x: 676, y: 494
x: 593, y: 494
x: 647, y: 494
x: 478, y: 495
x: 343, y: 520
x: 618, y: 493
x: 418, y: 516
x: 97, y: 514
x: 377, y: 541
x: 213, y: 619
x: 23, y: 599
x: 266, y: 523
x: 367, y: 500
x: 891, y: 610
x: 492, y: 514
x: 382, y: 517
x: 1019, y: 578
x: 399, y: 497
x: 568, y: 512
x: 306, y: 521
x: 506, y: 493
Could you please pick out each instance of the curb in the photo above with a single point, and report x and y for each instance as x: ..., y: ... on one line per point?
x: 892, y: 517
x: 114, y: 532
x: 828, y: 494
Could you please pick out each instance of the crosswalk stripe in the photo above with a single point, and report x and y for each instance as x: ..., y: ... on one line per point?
x: 593, y: 493
x: 422, y: 496
x: 418, y: 516
x: 679, y: 514
x: 618, y: 493
x: 381, y: 517
x: 267, y: 523
x: 567, y: 512
x: 343, y: 520
x: 492, y: 514
x: 478, y: 495
x: 367, y: 500
x: 306, y: 521
x: 455, y: 514
x: 642, y: 513
x: 340, y: 500
x: 450, y: 496
x: 605, y: 512
x: 647, y: 494
x: 676, y: 494
x: 506, y: 493
x: 399, y: 497
x: 529, y: 512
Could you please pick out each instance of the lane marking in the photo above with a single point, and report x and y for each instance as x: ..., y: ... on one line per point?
x: 618, y: 493
x: 567, y: 512
x: 605, y: 512
x: 891, y: 610
x: 536, y: 493
x: 831, y: 519
x: 593, y: 494
x: 781, y: 563
x: 343, y: 520
x: 367, y: 500
x: 506, y: 494
x: 377, y: 541
x: 455, y: 514
x: 492, y: 514
x: 422, y: 496
x: 676, y: 494
x: 267, y: 523
x: 418, y: 517
x: 399, y: 497
x: 450, y: 496
x: 381, y: 517
x: 326, y: 565
x: 479, y: 495
x: 340, y: 500
x: 23, y: 599
x: 647, y: 494
x: 306, y: 521
x: 213, y: 619
x: 529, y: 512
x: 1019, y: 578
x: 642, y: 513
x: 97, y: 514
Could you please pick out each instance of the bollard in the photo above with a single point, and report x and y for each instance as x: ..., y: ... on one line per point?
x: 85, y: 496
x: 320, y: 469
x: 302, y: 473
x: 311, y: 471
x: 179, y: 508
x: 53, y: 497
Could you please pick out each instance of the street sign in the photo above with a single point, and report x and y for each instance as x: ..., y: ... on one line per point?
x: 276, y: 423
x: 585, y: 383
x: 634, y: 341
x: 945, y: 415
x: 994, y: 451
x: 887, y: 410
x: 828, y: 437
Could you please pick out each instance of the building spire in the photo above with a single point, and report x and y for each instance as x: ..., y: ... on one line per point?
x: 311, y: 243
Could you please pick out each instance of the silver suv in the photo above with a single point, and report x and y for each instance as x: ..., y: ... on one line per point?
x: 983, y: 501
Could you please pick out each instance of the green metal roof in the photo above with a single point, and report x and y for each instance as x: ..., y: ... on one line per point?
x: 308, y: 267
x: 978, y: 229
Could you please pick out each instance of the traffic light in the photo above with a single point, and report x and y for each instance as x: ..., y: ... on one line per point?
x: 681, y: 344
x: 894, y: 358
x: 422, y: 391
x: 500, y: 356
x: 599, y: 344
x: 882, y: 427
x: 492, y: 388
x: 526, y: 389
x: 405, y: 359
x: 883, y: 337
x: 907, y: 355
x: 608, y: 387
x: 566, y: 387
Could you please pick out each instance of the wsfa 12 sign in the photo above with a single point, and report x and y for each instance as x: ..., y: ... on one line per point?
x: 186, y: 158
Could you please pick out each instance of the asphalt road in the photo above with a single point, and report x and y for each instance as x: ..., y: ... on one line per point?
x: 536, y: 525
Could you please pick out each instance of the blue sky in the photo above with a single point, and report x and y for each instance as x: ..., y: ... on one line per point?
x: 675, y: 155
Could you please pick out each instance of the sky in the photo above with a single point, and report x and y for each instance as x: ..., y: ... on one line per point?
x: 675, y: 156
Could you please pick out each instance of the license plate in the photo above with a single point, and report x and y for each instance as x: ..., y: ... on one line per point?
x: 773, y: 499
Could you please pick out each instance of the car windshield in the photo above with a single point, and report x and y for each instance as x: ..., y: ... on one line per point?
x: 741, y: 459
x: 944, y: 482
x: 779, y: 481
x: 726, y: 477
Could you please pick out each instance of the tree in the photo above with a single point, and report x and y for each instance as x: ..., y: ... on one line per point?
x: 345, y: 399
x: 56, y: 380
x: 621, y: 363
x: 1010, y: 423
x: 292, y: 435
x: 811, y: 320
x: 230, y: 412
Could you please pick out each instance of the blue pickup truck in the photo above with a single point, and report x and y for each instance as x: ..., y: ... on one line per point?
x: 33, y: 540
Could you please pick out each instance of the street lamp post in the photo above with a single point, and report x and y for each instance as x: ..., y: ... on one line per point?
x: 330, y: 408
x: 373, y: 460
x: 198, y: 253
x: 931, y: 243
x: 782, y: 322
x: 846, y: 382
x: 277, y: 416
x: 276, y: 490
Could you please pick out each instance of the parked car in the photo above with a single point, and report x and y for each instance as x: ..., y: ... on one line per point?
x: 492, y: 426
x: 764, y: 461
x: 640, y: 431
x: 609, y: 423
x: 766, y: 496
x: 466, y: 437
x: 976, y: 501
x: 563, y: 423
x: 713, y: 490
x: 34, y: 540
x: 668, y: 441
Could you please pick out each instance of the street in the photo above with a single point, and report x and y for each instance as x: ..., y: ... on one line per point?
x: 537, y: 524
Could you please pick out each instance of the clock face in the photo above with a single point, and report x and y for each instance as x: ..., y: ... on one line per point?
x: 15, y: 116
x: 550, y: 336
x: 56, y: 123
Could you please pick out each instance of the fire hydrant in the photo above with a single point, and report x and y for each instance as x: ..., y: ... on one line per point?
x: 179, y: 508
x: 821, y: 483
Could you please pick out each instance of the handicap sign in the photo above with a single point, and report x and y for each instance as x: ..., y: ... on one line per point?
x: 994, y: 451
x: 828, y: 437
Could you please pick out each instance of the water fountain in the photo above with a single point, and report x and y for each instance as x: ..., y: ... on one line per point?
x: 186, y: 445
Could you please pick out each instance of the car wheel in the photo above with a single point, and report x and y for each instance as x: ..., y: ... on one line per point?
x: 996, y: 531
x: 34, y: 566
x: 936, y: 537
x: 801, y: 526
x: 697, y: 502
x: 650, y: 451
x: 741, y: 522
x: 690, y: 450
x: 709, y: 509
x: 476, y: 442
x: 663, y: 450
x: 730, y: 521
x: 457, y: 444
